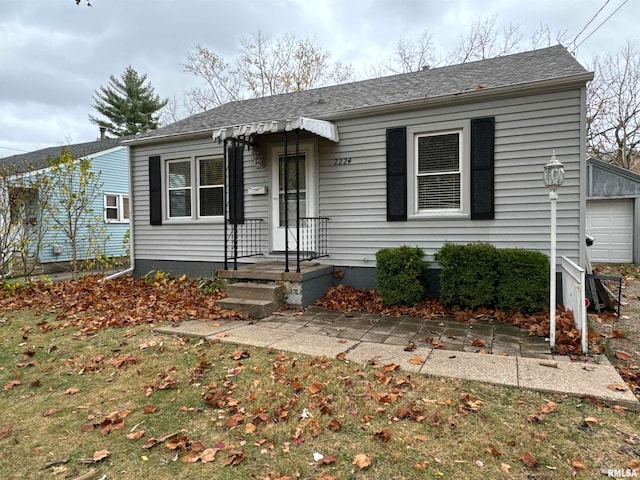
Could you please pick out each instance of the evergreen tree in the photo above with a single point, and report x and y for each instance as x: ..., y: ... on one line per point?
x: 129, y: 103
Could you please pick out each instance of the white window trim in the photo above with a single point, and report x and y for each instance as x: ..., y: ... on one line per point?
x: 119, y: 207
x: 464, y: 129
x: 194, y: 188
x: 199, y: 187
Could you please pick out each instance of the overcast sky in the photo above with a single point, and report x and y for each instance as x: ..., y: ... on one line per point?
x: 54, y: 54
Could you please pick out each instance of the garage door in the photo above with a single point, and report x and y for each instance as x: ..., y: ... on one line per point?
x: 611, y: 223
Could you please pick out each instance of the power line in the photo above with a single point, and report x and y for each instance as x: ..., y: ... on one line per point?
x: 16, y: 149
x: 602, y: 23
x: 589, y: 22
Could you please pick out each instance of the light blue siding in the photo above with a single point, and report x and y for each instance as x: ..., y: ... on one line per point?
x: 112, y: 167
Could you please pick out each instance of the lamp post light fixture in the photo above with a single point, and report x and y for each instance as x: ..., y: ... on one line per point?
x: 553, y: 179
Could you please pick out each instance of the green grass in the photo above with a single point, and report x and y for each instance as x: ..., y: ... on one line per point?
x: 436, y: 427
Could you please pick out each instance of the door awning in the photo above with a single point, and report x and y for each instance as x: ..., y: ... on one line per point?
x: 321, y: 128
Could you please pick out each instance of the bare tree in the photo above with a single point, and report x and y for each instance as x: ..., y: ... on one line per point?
x: 485, y: 40
x: 77, y: 187
x: 220, y: 82
x: 613, y: 108
x: 264, y: 66
x: 23, y: 227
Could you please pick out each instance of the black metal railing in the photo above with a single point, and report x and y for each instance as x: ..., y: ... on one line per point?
x: 313, y: 238
x: 243, y: 240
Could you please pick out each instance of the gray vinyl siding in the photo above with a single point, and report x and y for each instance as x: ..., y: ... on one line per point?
x: 353, y: 196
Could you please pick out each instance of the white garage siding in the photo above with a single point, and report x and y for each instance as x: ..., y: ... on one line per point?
x: 611, y: 223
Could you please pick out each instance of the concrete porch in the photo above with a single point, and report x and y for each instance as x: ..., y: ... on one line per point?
x: 301, y: 289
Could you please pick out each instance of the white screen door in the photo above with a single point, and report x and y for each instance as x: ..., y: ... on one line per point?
x: 282, y: 207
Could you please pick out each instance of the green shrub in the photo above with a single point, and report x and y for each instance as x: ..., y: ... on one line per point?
x: 524, y: 281
x: 211, y: 286
x: 468, y: 275
x: 401, y: 275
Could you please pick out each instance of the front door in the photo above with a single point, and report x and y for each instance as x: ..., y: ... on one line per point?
x: 299, y: 194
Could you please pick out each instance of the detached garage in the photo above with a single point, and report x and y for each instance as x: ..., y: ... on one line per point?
x: 613, y: 212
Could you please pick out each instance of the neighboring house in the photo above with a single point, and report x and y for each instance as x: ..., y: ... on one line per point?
x: 110, y: 160
x: 451, y: 154
x: 613, y: 212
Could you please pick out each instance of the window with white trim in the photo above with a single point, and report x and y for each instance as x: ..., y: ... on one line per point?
x: 195, y: 188
x: 210, y: 187
x: 438, y: 166
x: 116, y: 208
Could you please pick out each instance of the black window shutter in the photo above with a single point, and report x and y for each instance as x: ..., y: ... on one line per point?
x: 235, y: 156
x: 397, y: 174
x: 155, y: 190
x: 482, y: 160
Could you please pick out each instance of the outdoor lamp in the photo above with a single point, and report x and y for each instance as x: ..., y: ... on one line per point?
x: 553, y: 178
x: 553, y: 173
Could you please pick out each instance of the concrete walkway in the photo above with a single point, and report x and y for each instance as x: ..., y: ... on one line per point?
x: 481, y: 351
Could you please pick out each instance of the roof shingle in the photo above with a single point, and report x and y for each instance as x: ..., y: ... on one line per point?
x: 325, y: 102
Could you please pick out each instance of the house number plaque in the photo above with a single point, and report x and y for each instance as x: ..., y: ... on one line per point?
x: 342, y: 161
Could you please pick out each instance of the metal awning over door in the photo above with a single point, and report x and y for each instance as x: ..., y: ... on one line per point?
x: 322, y: 128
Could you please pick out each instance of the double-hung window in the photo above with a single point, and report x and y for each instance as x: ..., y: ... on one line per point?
x: 438, y: 167
x: 116, y: 208
x: 195, y: 188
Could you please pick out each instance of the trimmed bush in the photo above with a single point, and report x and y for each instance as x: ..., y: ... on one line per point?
x: 401, y: 275
x: 468, y: 275
x: 523, y: 281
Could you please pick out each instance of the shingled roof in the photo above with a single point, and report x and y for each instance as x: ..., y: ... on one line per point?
x: 38, y: 159
x: 548, y: 64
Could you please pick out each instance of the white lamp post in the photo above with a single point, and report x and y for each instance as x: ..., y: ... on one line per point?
x: 553, y: 178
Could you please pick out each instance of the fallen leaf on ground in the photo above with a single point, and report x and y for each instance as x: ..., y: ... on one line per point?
x: 11, y: 384
x: 234, y: 458
x: 5, y: 431
x: 326, y: 460
x: 71, y: 391
x: 577, y: 464
x: 135, y: 435
x: 617, y: 387
x: 315, y: 387
x: 101, y: 455
x: 384, y: 434
x: 51, y: 411
x: 633, y: 464
x: 416, y: 360
x: 528, y: 459
x: 361, y: 461
x: 622, y: 355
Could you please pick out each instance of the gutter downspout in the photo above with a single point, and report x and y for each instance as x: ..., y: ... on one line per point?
x: 132, y: 257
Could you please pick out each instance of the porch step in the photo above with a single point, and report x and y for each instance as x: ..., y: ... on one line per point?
x: 256, y: 300
x: 257, y: 291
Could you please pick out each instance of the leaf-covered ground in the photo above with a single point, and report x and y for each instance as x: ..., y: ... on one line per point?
x: 93, y: 303
x: 568, y: 339
x: 129, y: 404
x: 81, y: 400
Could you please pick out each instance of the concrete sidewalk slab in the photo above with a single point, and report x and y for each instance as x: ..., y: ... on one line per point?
x: 472, y: 366
x: 253, y: 335
x: 597, y: 380
x: 199, y: 328
x: 313, y: 344
x: 385, y: 354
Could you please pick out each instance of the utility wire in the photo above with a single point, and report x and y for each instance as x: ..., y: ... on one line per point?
x: 9, y: 148
x: 602, y: 23
x: 589, y: 22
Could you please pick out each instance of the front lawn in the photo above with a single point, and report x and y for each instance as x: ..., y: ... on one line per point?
x: 88, y: 389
